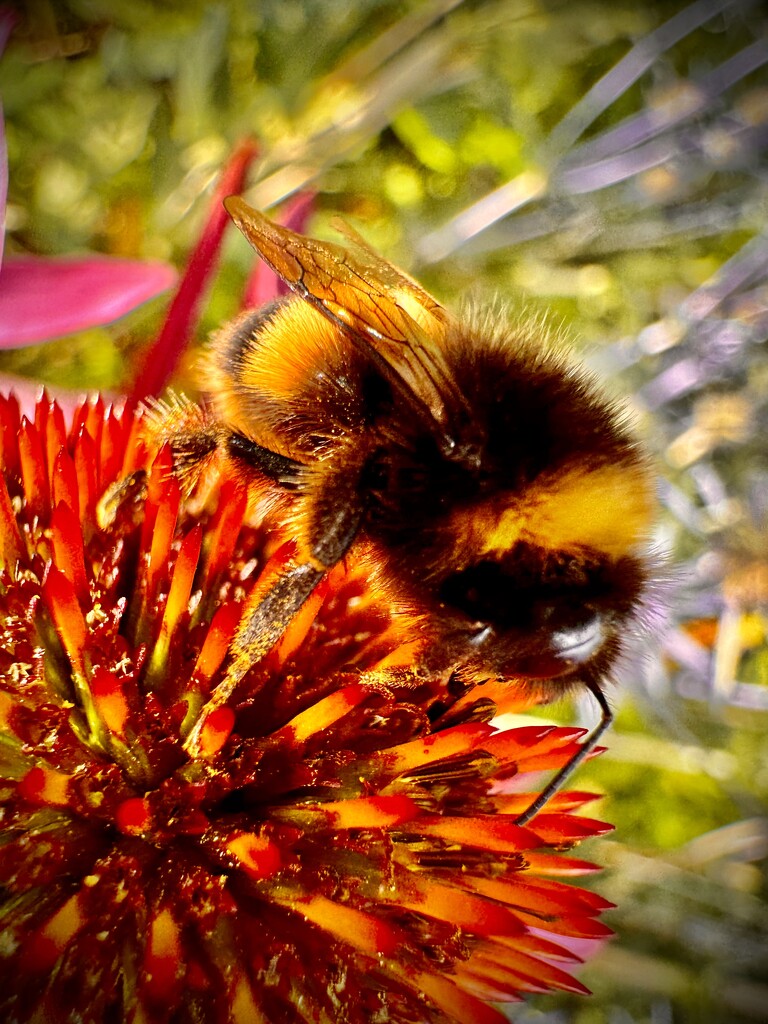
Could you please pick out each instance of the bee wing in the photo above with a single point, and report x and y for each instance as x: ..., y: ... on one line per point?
x: 383, y: 309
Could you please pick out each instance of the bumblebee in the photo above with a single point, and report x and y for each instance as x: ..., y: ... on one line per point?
x: 501, y: 492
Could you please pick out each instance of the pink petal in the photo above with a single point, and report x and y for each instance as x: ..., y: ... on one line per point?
x: 3, y: 179
x: 581, y: 946
x: 164, y: 354
x: 43, y: 298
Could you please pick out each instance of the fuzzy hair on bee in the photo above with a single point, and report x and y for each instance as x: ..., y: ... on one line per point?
x: 499, y: 492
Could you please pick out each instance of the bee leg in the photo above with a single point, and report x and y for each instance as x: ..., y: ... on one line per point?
x: 131, y: 488
x: 335, y: 517
x: 193, y: 437
x: 265, y: 619
x: 581, y: 755
x: 334, y: 505
x: 260, y: 630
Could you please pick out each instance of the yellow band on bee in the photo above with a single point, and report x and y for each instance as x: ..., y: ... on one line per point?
x: 608, y: 510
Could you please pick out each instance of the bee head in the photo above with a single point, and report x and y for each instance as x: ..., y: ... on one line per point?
x: 541, y: 580
x: 541, y: 613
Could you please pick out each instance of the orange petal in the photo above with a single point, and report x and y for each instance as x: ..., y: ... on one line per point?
x: 428, y: 749
x: 12, y: 548
x: 33, y: 471
x: 183, y: 577
x: 55, y: 436
x: 536, y: 945
x: 112, y: 448
x: 45, y: 786
x: 161, y: 470
x: 544, y: 897
x: 178, y: 598
x: 456, y: 1003
x: 61, y: 600
x: 496, y: 986
x: 162, y: 536
x: 215, y: 731
x: 324, y: 714
x: 87, y: 473
x: 554, y: 829
x: 245, y: 1008
x: 275, y: 568
x: 457, y: 906
x: 360, y: 929
x: 47, y: 945
x: 534, y: 747
x: 361, y: 812
x: 516, y: 803
x: 163, y: 963
x: 110, y: 701
x: 9, y: 434
x: 403, y: 655
x: 134, y: 454
x: 573, y: 925
x: 224, y: 530
x: 68, y: 553
x: 259, y: 857
x: 216, y: 644
x: 299, y: 626
x: 64, y: 481
x: 506, y: 966
x: 484, y: 831
x: 549, y: 864
x: 94, y: 420
x: 7, y: 706
x: 507, y: 694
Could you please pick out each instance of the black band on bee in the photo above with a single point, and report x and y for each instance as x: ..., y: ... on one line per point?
x: 282, y: 470
x: 521, y: 588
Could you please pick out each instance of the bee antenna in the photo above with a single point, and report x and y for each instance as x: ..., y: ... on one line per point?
x: 581, y: 755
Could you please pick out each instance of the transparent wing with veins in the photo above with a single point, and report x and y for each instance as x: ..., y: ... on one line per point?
x: 381, y: 308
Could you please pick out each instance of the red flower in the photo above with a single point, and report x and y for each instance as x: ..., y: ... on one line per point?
x: 332, y: 840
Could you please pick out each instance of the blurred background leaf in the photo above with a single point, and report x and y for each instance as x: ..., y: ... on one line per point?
x: 603, y: 161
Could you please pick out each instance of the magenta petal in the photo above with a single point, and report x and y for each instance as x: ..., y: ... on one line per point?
x: 41, y: 299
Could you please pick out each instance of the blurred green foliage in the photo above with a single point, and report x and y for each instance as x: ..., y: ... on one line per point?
x: 479, y: 144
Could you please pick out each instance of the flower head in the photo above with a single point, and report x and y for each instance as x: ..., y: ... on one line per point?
x: 339, y: 842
